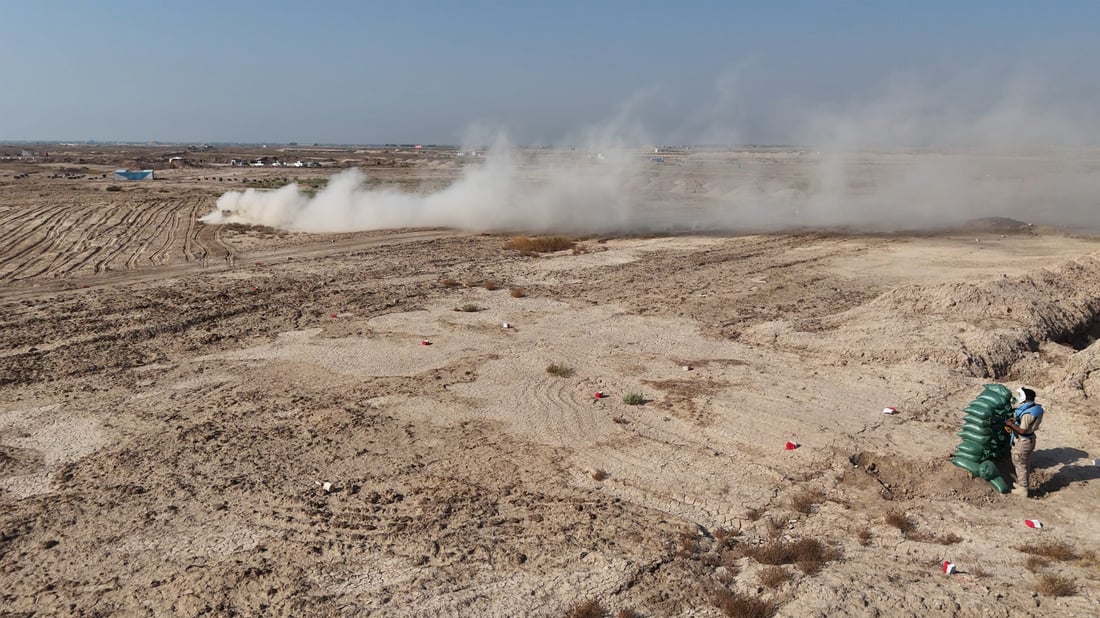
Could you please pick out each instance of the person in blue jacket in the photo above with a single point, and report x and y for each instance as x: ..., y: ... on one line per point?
x: 1025, y: 420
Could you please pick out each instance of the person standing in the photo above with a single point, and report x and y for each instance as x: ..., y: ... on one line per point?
x: 1025, y: 420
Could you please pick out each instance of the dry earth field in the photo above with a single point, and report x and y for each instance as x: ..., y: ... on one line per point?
x: 174, y: 395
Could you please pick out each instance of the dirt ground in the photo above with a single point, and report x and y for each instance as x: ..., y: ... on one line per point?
x: 175, y: 396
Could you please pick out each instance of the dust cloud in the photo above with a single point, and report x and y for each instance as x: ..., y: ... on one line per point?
x: 912, y: 154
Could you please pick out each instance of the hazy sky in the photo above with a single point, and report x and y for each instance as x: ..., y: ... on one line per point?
x: 547, y: 71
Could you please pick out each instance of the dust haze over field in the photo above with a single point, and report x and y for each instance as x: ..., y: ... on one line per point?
x: 956, y: 149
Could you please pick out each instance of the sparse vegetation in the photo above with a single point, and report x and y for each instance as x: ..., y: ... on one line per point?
x: 1056, y: 586
x: 114, y: 188
x: 805, y: 501
x: 449, y: 282
x: 899, y: 520
x: 468, y: 308
x: 627, y: 613
x: 633, y: 399
x: 808, y: 554
x: 559, y: 369
x: 490, y: 285
x: 947, y: 539
x: 1035, y: 563
x: 754, y: 514
x: 517, y: 292
x: 773, y: 576
x: 775, y: 526
x: 737, y: 605
x: 688, y: 543
x: 1058, y: 551
x: 600, y: 475
x: 864, y: 537
x: 539, y: 244
x: 586, y: 609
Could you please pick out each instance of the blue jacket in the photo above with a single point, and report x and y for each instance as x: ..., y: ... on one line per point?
x: 1028, y: 407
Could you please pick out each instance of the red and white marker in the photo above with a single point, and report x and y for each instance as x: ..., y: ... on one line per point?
x: 425, y: 342
x: 333, y: 315
x: 889, y: 410
x: 598, y: 395
x: 949, y: 567
x: 790, y: 446
x: 1033, y: 523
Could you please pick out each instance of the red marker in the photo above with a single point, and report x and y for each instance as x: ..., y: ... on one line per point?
x: 790, y: 446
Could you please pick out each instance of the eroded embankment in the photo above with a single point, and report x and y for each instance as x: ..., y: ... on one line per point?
x: 983, y: 329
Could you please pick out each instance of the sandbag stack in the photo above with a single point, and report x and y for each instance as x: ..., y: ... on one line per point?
x: 984, y: 439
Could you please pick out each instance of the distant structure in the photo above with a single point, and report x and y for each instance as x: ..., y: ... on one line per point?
x: 133, y: 175
x: 176, y: 161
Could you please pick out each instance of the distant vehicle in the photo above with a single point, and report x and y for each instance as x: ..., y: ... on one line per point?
x: 297, y: 164
x: 256, y: 164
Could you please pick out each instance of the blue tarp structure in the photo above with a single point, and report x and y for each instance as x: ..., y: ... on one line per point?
x: 133, y: 174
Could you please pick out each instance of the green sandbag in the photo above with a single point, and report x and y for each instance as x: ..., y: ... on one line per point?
x: 977, y: 459
x: 983, y: 421
x: 988, y: 470
x: 971, y: 412
x: 995, y: 403
x: 981, y: 430
x: 999, y: 484
x: 973, y: 437
x: 979, y: 406
x: 999, y: 389
x: 965, y: 464
x: 970, y: 448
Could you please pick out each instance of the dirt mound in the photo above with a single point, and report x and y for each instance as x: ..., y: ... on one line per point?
x: 998, y: 225
x: 983, y: 329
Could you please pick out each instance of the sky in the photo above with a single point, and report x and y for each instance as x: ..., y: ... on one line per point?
x: 545, y: 72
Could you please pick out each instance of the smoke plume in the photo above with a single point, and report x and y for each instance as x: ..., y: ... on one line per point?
x: 913, y: 154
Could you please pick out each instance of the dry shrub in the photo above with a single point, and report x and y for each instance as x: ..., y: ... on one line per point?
x: 773, y: 576
x: 805, y: 501
x: 559, y: 369
x: 580, y: 249
x: 450, y: 282
x: 468, y: 308
x: 539, y: 244
x: 490, y: 285
x: 808, y: 554
x: 738, y: 605
x: 725, y: 536
x: 1056, y: 586
x: 776, y: 525
x: 864, y: 537
x: 688, y: 543
x: 1035, y: 563
x: 979, y: 572
x: 621, y: 420
x: 600, y: 475
x: 754, y: 514
x: 1058, y: 551
x: 948, y: 539
x: 518, y: 292
x: 627, y: 613
x: 586, y: 609
x: 899, y: 520
x: 633, y: 399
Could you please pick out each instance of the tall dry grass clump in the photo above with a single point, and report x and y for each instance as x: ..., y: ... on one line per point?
x: 1056, y: 586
